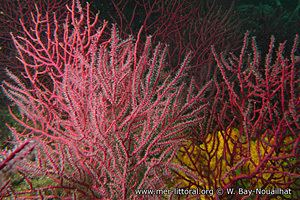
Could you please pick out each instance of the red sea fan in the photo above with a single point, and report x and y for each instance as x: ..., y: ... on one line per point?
x: 15, y: 12
x: 256, y: 109
x: 192, y: 25
x: 103, y: 120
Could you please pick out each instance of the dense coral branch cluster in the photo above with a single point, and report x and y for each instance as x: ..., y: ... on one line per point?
x: 256, y: 107
x: 12, y: 15
x: 103, y: 119
x: 100, y: 116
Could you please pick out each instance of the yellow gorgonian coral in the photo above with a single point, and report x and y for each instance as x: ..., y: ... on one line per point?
x: 225, y: 155
x: 208, y: 160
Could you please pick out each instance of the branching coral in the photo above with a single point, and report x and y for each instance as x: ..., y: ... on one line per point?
x: 105, y: 122
x: 258, y: 108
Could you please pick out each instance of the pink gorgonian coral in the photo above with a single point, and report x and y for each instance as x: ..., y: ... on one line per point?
x: 15, y: 12
x: 256, y: 110
x: 102, y: 120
